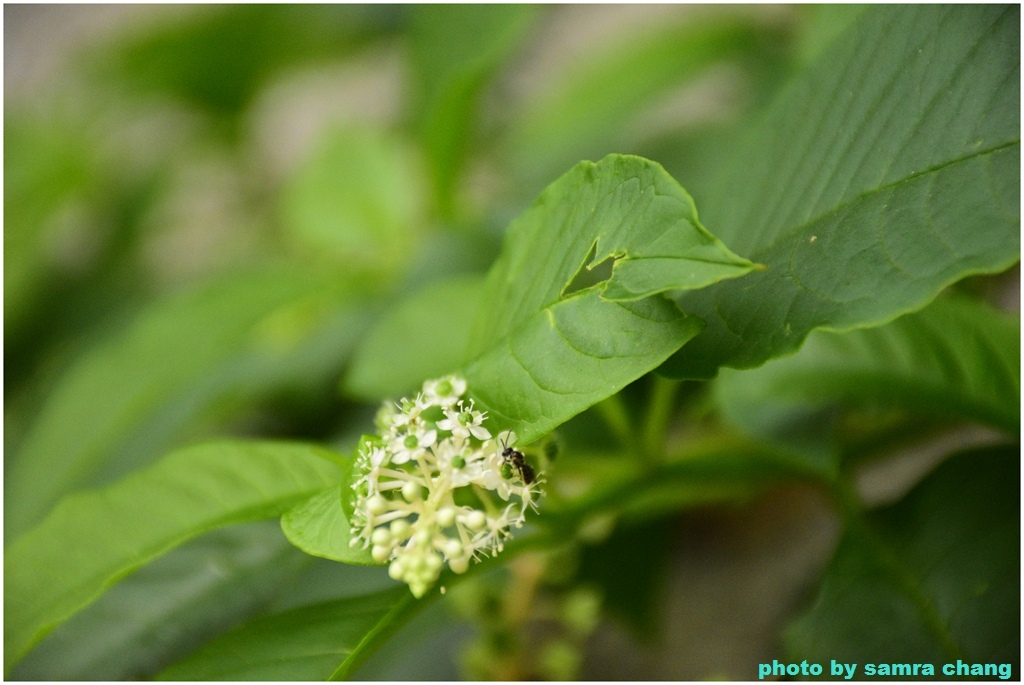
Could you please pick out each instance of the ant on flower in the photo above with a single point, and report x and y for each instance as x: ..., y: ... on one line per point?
x: 515, y: 458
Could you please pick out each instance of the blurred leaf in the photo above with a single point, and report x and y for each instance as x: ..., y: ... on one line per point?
x: 932, y: 579
x: 631, y: 567
x: 48, y: 168
x: 889, y: 170
x: 320, y: 527
x: 455, y: 50
x: 168, y: 608
x: 955, y: 357
x: 133, y: 395
x: 93, y: 539
x: 218, y: 58
x: 548, y: 344
x: 358, y: 201
x: 423, y: 336
x: 718, y: 469
x: 593, y: 101
x: 308, y: 643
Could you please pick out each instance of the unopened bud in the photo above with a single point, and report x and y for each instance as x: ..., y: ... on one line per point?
x: 376, y: 505
x: 446, y: 517
x: 412, y: 491
x: 476, y: 519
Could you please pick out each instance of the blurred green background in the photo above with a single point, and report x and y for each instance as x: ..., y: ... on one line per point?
x: 208, y: 207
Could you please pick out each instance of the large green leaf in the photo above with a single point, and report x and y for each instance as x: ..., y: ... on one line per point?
x: 135, y: 394
x: 932, y: 579
x: 955, y: 357
x: 93, y: 539
x: 455, y: 49
x: 889, y: 170
x: 312, y: 642
x: 542, y: 350
x: 423, y: 337
x: 167, y: 608
x: 320, y: 527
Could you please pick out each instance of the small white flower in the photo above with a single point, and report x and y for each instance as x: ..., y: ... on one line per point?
x: 411, y: 445
x: 445, y: 391
x: 408, y: 413
x: 464, y: 421
x: 458, y: 465
x: 377, y: 458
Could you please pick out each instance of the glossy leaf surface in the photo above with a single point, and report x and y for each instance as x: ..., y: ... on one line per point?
x: 889, y: 170
x: 93, y: 539
x: 542, y: 352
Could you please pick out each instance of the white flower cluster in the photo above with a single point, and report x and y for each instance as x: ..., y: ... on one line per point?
x: 423, y: 487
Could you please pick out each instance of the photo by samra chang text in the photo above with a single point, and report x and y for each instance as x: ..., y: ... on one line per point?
x: 958, y: 670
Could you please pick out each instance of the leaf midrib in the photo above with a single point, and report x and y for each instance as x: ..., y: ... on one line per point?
x: 797, y: 229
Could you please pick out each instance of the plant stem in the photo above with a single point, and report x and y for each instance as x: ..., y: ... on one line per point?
x: 615, y: 416
x: 659, y: 413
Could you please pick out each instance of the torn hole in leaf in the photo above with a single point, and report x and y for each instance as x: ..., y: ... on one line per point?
x: 590, y: 274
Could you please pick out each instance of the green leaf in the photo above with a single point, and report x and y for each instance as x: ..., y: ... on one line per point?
x: 888, y: 171
x: 320, y: 527
x: 327, y: 640
x: 93, y: 539
x: 541, y: 351
x: 719, y: 469
x: 424, y: 336
x: 956, y: 357
x: 135, y: 394
x: 455, y: 49
x: 822, y: 25
x: 358, y: 200
x: 161, y: 612
x: 932, y: 579
x: 307, y: 643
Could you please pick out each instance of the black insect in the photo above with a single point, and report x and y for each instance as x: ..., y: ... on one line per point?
x: 515, y: 458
